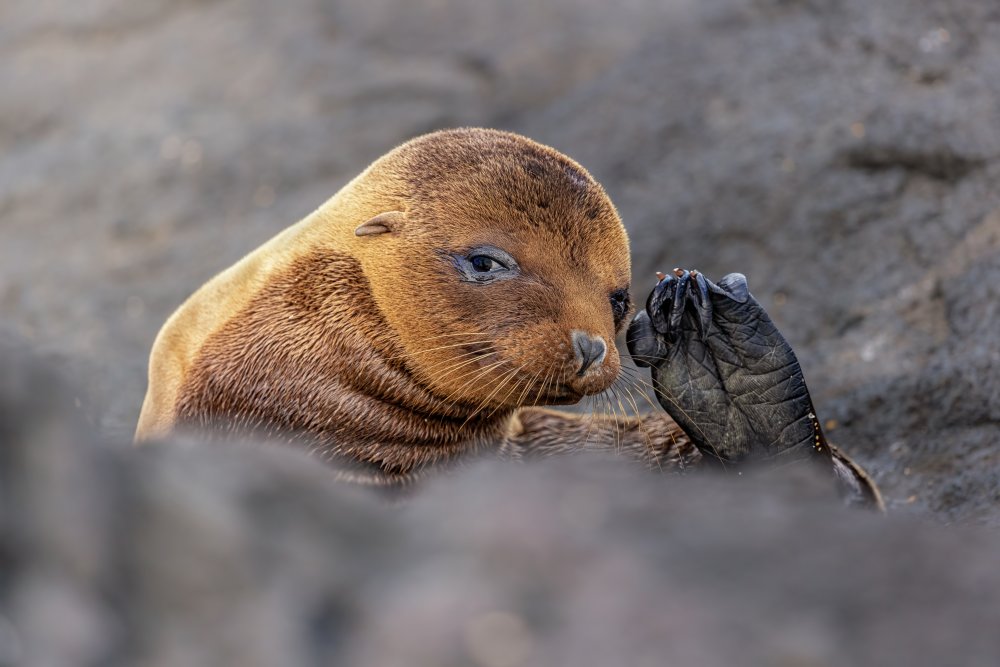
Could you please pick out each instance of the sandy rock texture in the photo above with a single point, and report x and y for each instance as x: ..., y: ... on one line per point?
x: 844, y: 155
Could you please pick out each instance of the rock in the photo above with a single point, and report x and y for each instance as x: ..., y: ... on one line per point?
x: 181, y: 554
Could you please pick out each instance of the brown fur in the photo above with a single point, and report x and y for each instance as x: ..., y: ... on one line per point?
x: 369, y: 349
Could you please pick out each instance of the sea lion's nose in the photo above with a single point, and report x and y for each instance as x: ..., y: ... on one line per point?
x: 590, y: 350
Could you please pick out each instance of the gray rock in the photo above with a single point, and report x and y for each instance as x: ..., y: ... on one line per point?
x: 186, y: 554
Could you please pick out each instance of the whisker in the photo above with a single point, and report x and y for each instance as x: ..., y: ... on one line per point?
x: 611, y: 415
x: 642, y: 425
x: 475, y: 375
x: 619, y: 431
x: 684, y: 412
x: 541, y: 390
x: 445, y: 372
x: 592, y: 422
x: 455, y: 334
x: 435, y: 349
x: 654, y: 384
x: 614, y: 414
x: 641, y: 390
x: 551, y: 378
x: 447, y: 363
x: 588, y: 417
x: 510, y: 393
x: 528, y: 385
x: 485, y: 402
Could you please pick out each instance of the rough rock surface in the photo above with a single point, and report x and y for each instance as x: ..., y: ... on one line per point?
x: 844, y: 155
x: 180, y: 555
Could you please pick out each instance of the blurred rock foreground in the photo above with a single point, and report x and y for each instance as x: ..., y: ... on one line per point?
x: 844, y: 155
x: 180, y: 555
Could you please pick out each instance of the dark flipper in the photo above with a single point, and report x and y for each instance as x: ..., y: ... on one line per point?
x: 729, y: 378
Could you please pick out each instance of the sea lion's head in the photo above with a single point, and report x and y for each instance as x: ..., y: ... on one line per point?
x: 501, y: 265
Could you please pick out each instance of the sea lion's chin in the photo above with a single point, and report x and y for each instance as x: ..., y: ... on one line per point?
x: 568, y: 395
x: 577, y: 388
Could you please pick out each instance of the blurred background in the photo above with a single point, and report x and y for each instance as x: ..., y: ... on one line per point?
x: 844, y: 155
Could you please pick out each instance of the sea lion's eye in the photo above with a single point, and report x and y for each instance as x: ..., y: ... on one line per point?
x: 483, y: 264
x: 620, y: 303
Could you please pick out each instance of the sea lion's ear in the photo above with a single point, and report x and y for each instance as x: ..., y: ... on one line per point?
x: 383, y: 223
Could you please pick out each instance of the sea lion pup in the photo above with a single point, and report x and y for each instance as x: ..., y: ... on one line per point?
x: 409, y: 321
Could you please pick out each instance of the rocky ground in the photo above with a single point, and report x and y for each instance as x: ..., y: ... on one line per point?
x: 844, y: 155
x: 181, y: 554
